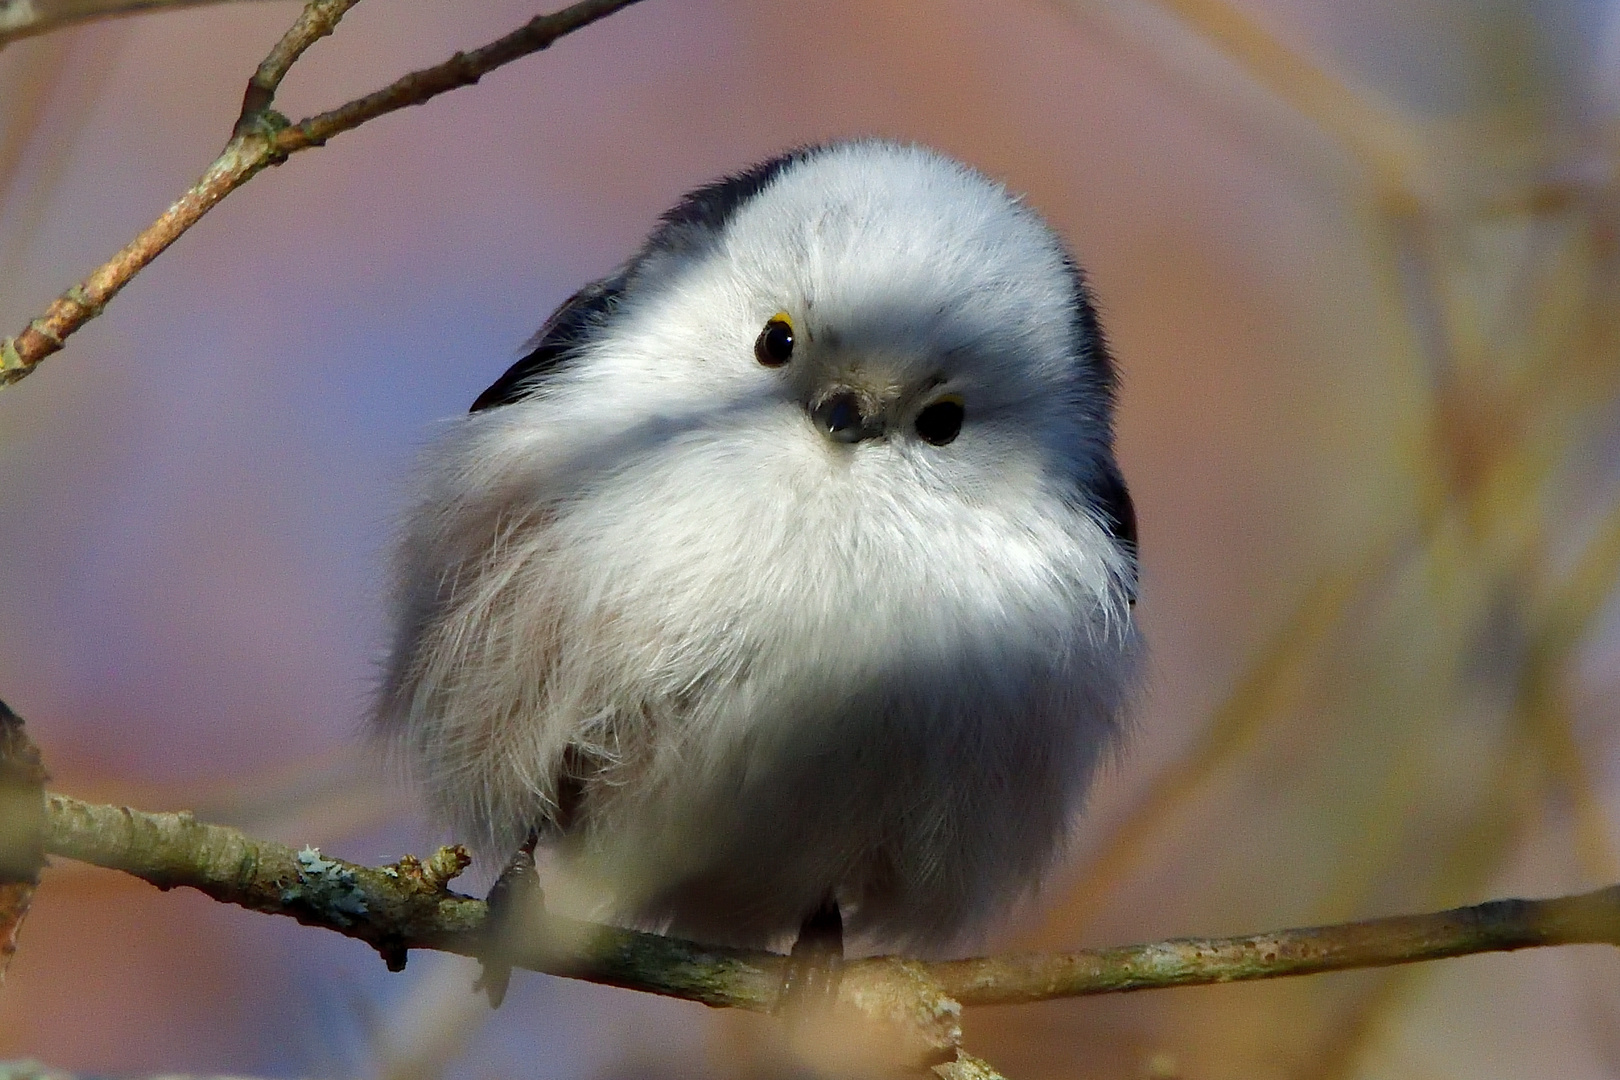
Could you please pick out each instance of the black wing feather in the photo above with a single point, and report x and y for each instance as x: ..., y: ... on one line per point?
x: 692, y: 223
x: 1113, y: 498
x: 1106, y: 492
x: 569, y: 327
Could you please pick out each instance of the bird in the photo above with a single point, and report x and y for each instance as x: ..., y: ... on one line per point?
x: 784, y: 589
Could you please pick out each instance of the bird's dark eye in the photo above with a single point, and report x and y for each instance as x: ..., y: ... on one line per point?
x: 941, y: 422
x: 774, y: 346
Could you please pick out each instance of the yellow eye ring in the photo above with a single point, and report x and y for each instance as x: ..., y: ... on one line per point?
x: 774, y: 346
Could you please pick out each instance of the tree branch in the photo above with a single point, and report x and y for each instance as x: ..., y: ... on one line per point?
x: 462, y: 69
x: 392, y: 908
x: 407, y: 906
x: 1496, y: 926
x: 913, y: 1009
x: 318, y: 19
x: 262, y: 138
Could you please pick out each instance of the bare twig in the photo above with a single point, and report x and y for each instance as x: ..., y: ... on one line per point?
x: 263, y: 138
x: 462, y: 69
x: 318, y: 19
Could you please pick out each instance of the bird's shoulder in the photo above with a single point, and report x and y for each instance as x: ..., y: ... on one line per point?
x: 686, y: 228
x: 568, y: 328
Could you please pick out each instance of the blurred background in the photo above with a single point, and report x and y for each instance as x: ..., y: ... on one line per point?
x: 1359, y: 263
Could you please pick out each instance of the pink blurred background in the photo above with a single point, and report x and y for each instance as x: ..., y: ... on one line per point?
x: 194, y: 495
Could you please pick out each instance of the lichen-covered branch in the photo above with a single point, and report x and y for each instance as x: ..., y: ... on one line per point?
x: 407, y: 906
x: 1500, y: 925
x: 913, y: 1007
x: 392, y: 908
x: 262, y: 138
x: 389, y: 908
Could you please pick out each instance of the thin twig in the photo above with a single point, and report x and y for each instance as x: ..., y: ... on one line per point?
x: 1496, y: 926
x: 242, y: 158
x: 462, y: 69
x: 264, y: 141
x: 318, y: 19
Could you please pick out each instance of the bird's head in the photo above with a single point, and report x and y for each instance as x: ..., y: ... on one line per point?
x: 850, y: 331
x: 875, y: 300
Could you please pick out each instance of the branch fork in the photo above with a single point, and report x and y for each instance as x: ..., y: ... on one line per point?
x: 262, y: 137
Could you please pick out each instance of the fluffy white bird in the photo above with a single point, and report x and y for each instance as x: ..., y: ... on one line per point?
x: 791, y: 572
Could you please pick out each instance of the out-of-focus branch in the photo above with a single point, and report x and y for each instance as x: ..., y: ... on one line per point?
x: 1372, y: 131
x: 34, y: 1070
x: 264, y: 137
x: 26, y: 18
x: 1261, y: 691
x: 1378, y: 136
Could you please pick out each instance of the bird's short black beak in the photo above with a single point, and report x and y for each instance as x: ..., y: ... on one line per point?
x: 840, y: 416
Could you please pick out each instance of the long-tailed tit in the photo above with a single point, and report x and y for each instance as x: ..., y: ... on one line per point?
x: 790, y: 572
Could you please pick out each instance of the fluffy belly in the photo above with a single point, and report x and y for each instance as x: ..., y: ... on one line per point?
x: 722, y: 713
x: 924, y: 801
